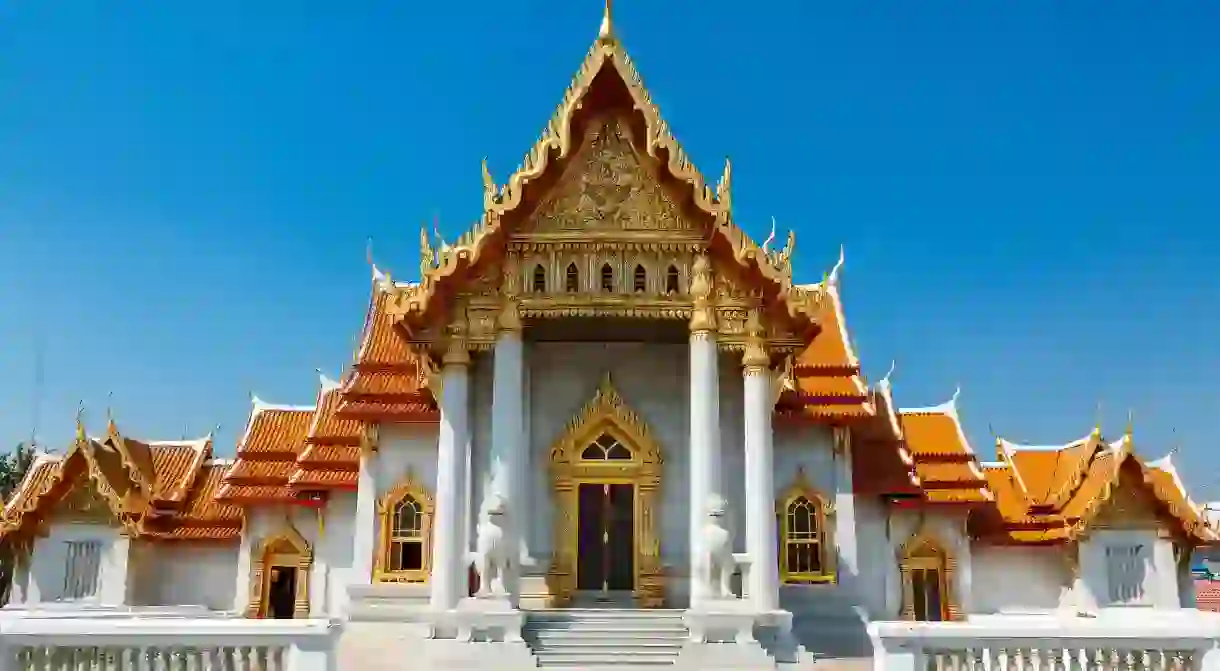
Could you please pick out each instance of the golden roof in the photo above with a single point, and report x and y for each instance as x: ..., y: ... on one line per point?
x: 606, y: 80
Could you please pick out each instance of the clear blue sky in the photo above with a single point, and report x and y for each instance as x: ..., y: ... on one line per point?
x: 1028, y: 192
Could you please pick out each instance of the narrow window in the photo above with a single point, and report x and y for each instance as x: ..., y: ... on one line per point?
x: 671, y: 280
x: 573, y: 279
x: 640, y: 281
x: 607, y: 278
x: 82, y: 569
x: 539, y: 279
x: 803, y: 538
x: 407, y: 537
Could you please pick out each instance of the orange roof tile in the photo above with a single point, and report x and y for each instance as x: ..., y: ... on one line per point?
x: 946, y: 466
x: 203, y: 517
x: 1050, y: 494
x: 267, y: 453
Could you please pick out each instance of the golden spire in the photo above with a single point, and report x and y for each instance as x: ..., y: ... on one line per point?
x: 80, y: 422
x: 1097, y: 424
x: 1130, y: 432
x: 606, y: 32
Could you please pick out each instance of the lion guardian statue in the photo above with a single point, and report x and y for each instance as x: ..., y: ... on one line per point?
x: 717, y: 565
x: 493, y: 555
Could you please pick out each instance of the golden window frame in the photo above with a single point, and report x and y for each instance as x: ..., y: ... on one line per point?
x: 286, y: 549
x: 823, y: 517
x: 923, y: 551
x: 408, y: 487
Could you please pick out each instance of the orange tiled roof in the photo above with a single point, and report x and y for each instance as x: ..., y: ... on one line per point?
x: 828, y: 383
x: 179, y: 498
x: 267, y: 454
x: 388, y: 381
x: 331, y: 458
x: 1050, y: 494
x: 202, y: 516
x: 881, y: 464
x: 945, y: 464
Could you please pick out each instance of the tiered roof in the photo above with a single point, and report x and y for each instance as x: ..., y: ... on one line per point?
x: 156, y: 489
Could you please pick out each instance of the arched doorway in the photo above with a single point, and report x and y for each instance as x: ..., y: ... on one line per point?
x: 279, y: 579
x: 606, y: 471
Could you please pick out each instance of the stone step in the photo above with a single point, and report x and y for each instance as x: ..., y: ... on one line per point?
x: 625, y: 628
x: 609, y: 647
x: 623, y: 634
x: 617, y: 658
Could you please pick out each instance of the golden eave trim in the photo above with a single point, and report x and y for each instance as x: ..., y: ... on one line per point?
x: 556, y: 142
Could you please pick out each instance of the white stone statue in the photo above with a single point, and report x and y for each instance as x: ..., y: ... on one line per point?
x: 717, y: 564
x: 493, y: 556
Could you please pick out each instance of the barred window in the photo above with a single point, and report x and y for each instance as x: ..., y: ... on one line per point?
x: 82, y: 569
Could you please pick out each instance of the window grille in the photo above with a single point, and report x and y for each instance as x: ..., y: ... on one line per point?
x: 82, y: 569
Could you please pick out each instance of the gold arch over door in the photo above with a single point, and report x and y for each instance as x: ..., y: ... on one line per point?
x: 606, y: 444
x: 280, y: 576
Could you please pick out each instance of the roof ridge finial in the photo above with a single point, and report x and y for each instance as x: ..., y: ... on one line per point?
x: 1130, y: 430
x: 1097, y: 423
x: 606, y: 31
x: 111, y: 427
x: 833, y: 277
x: 80, y: 420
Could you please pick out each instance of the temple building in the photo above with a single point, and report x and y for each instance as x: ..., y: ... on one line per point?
x: 605, y: 396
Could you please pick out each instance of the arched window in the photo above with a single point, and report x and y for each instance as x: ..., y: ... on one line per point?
x: 539, y: 279
x: 806, y: 555
x: 927, y: 577
x: 640, y: 280
x: 404, y: 553
x: 671, y: 280
x: 607, y: 278
x: 572, y: 279
x: 606, y: 448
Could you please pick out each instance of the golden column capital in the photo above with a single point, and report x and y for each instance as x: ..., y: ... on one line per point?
x: 703, y: 316
x: 756, y: 359
x: 509, y: 319
x: 456, y: 352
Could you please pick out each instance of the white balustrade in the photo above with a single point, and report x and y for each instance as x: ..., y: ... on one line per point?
x: 1147, y: 641
x: 166, y: 644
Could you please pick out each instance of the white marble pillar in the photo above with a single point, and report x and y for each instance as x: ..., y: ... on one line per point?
x: 447, y: 555
x: 507, y: 434
x: 364, y: 543
x: 704, y: 421
x: 763, y: 588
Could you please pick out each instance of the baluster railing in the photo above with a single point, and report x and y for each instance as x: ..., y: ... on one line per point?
x: 1146, y: 641
x: 166, y: 644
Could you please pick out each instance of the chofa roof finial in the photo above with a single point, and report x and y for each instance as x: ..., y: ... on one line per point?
x: 606, y: 32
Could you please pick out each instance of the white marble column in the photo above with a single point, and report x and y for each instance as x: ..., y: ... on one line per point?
x: 507, y: 435
x: 447, y: 556
x: 704, y: 421
x: 364, y: 543
x: 760, y: 479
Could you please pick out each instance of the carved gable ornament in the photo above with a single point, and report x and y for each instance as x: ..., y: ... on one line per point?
x: 83, y: 504
x: 606, y: 186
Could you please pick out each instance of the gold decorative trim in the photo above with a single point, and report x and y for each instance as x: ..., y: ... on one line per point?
x: 286, y: 549
x: 607, y: 413
x: 408, y: 487
x: 824, y: 512
x: 923, y: 551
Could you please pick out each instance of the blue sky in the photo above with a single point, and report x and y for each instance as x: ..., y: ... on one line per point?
x: 1027, y: 191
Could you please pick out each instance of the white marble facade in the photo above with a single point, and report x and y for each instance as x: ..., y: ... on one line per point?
x: 559, y: 378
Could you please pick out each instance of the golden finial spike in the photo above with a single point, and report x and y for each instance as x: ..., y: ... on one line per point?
x: 80, y: 421
x: 1130, y: 424
x: 606, y: 32
x: 1097, y: 424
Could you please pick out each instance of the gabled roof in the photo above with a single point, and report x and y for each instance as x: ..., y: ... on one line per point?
x: 943, y: 460
x: 266, y: 454
x: 606, y: 79
x: 331, y: 458
x: 1050, y: 494
x: 148, y: 486
x: 388, y: 380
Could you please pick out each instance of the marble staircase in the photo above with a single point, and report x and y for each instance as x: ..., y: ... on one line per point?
x: 605, y: 638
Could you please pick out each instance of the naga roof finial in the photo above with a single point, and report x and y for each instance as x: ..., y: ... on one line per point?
x: 606, y: 32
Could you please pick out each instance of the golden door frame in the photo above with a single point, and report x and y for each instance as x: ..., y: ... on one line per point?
x: 286, y: 549
x: 606, y: 414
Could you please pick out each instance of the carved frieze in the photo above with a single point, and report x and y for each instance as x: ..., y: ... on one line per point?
x: 83, y: 504
x: 606, y: 187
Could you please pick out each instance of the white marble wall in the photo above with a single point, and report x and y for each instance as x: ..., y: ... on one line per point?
x: 49, y: 564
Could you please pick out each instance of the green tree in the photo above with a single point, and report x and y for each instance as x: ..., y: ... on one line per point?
x: 13, y: 467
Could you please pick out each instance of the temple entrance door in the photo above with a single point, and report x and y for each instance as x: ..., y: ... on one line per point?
x: 605, y: 538
x: 281, y: 593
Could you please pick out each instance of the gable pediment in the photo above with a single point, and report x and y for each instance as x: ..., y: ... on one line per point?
x: 83, y: 504
x: 608, y: 188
